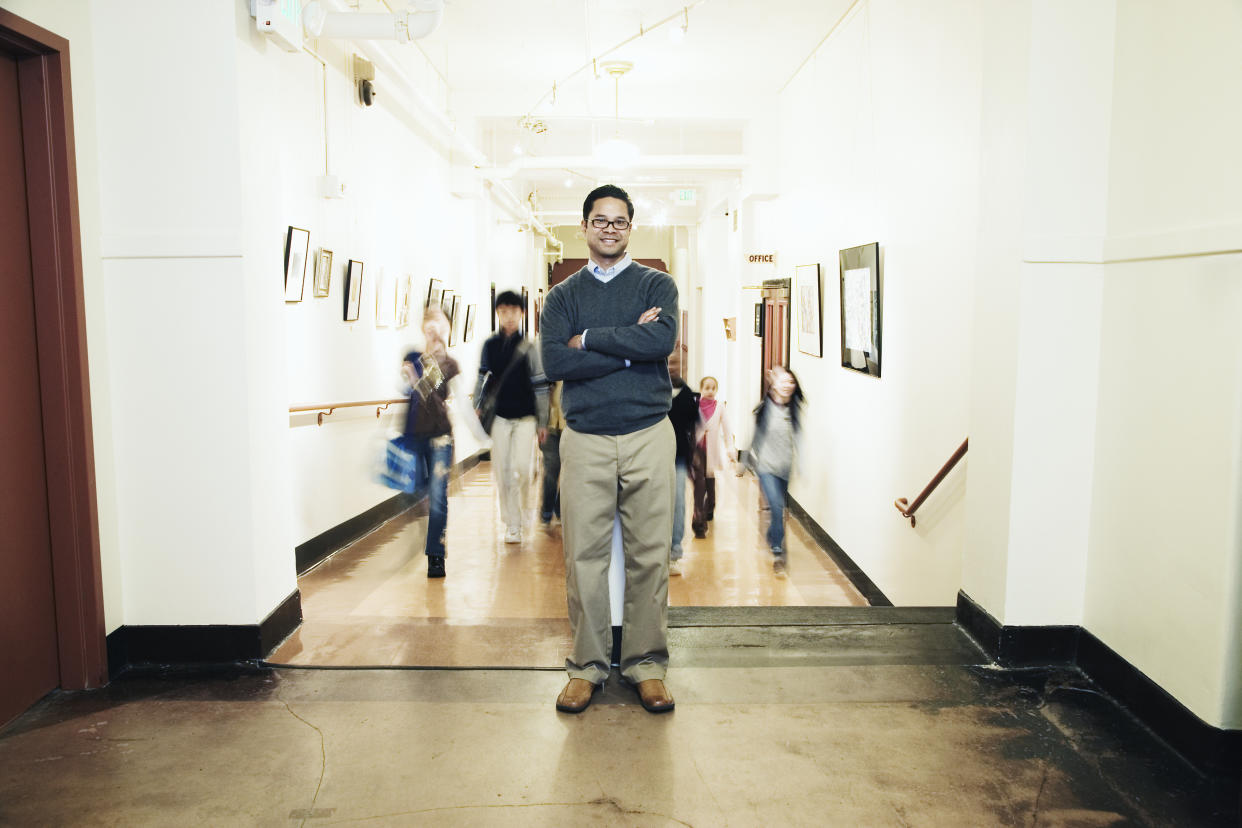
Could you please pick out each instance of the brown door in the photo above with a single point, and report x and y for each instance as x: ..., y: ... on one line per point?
x: 28, y: 646
x: 775, y: 337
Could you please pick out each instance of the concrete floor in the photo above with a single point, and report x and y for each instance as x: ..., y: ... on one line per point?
x: 814, y: 721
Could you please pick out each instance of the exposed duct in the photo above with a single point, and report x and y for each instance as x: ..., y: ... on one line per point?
x: 419, y: 19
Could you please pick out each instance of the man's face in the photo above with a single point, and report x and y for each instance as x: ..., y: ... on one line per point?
x: 509, y: 316
x: 607, y: 244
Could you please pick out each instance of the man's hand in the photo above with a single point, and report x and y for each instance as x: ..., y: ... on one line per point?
x: 575, y: 342
x: 543, y: 435
x: 649, y: 315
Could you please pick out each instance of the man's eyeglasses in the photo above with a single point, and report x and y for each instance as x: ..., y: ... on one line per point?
x: 600, y: 223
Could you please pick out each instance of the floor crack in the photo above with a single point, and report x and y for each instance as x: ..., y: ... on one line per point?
x: 1039, y: 795
x: 323, y: 759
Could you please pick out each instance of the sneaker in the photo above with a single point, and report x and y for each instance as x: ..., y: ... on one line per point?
x: 513, y: 535
x: 545, y: 518
x: 674, y: 567
x: 435, y: 566
x: 779, y: 563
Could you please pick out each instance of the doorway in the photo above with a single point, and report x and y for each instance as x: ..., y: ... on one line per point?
x: 775, y: 341
x: 51, y: 605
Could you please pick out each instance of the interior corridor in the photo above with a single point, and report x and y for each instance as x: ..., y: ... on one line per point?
x: 503, y: 605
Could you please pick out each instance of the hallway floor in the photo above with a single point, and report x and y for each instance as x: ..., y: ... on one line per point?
x: 827, y: 719
x: 787, y: 713
x: 503, y: 605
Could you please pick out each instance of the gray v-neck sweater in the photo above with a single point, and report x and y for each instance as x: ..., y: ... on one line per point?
x: 601, y: 395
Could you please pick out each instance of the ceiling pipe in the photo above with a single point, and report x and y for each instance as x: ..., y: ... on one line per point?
x: 522, y: 211
x: 584, y: 163
x: 419, y: 19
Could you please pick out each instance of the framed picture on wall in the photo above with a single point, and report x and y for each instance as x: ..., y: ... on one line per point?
x: 434, y: 288
x: 468, y: 333
x: 323, y: 272
x: 493, y: 307
x: 538, y: 308
x: 810, y: 310
x: 525, y: 311
x: 385, y: 298
x: 758, y: 319
x: 403, y: 300
x: 297, y: 249
x: 446, y: 304
x: 862, y: 297
x: 454, y: 320
x: 353, y: 290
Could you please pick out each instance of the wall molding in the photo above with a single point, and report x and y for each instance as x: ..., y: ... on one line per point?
x: 160, y: 645
x: 314, y: 551
x: 1209, y: 748
x: 875, y: 597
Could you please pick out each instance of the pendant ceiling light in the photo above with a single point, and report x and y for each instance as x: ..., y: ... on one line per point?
x: 617, y: 153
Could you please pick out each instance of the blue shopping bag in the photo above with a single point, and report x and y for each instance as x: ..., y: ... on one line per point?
x: 403, y: 469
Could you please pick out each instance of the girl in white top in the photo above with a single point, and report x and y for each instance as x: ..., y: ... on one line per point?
x: 713, y: 451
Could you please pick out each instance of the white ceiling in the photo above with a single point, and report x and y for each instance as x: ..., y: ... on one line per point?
x: 689, y: 100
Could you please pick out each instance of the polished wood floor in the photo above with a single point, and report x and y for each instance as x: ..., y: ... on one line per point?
x: 503, y: 605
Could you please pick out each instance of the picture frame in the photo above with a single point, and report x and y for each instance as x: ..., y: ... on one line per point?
x: 446, y: 304
x: 493, y: 307
x: 468, y: 332
x: 862, y: 300
x: 809, y: 287
x: 353, y: 290
x: 434, y: 288
x: 385, y: 299
x: 525, y: 311
x: 297, y: 249
x: 758, y: 319
x: 404, y: 284
x: 323, y: 272
x: 453, y: 320
x: 538, y: 308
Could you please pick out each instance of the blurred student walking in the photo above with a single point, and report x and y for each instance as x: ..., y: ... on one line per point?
x: 777, y: 425
x: 684, y: 416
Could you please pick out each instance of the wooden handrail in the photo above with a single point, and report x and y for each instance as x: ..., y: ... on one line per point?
x: 908, y: 509
x: 331, y: 407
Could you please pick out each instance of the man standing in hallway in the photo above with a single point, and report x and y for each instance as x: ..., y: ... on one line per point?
x: 607, y: 332
x: 509, y: 370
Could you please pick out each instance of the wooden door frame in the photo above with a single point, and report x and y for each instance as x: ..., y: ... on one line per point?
x: 60, y: 331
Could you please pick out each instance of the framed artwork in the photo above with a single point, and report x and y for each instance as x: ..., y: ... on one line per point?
x: 446, y: 304
x: 385, y: 299
x: 862, y: 298
x: 758, y: 319
x: 297, y: 248
x: 434, y: 288
x: 538, y: 308
x: 353, y: 290
x: 468, y: 332
x: 810, y: 310
x: 525, y: 310
x: 403, y: 300
x: 453, y: 320
x: 493, y: 307
x: 323, y: 272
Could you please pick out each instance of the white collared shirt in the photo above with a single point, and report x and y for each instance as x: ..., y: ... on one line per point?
x: 608, y: 275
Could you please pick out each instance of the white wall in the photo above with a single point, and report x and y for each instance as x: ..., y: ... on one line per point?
x: 72, y: 21
x: 879, y: 136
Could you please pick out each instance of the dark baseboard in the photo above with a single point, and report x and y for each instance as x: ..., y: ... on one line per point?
x: 170, y: 645
x: 857, y: 577
x: 320, y: 547
x: 1211, y: 749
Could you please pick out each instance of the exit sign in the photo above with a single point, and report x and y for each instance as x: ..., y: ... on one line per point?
x: 686, y: 198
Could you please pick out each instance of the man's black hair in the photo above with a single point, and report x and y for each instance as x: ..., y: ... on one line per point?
x: 606, y: 191
x: 508, y: 297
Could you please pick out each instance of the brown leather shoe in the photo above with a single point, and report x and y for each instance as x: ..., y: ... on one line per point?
x: 654, y: 696
x: 576, y: 696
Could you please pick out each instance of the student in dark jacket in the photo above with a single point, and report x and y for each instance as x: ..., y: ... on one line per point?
x: 684, y: 415
x: 510, y: 369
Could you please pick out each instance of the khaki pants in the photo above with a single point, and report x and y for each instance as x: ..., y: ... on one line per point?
x: 601, y: 476
x: 513, y: 446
